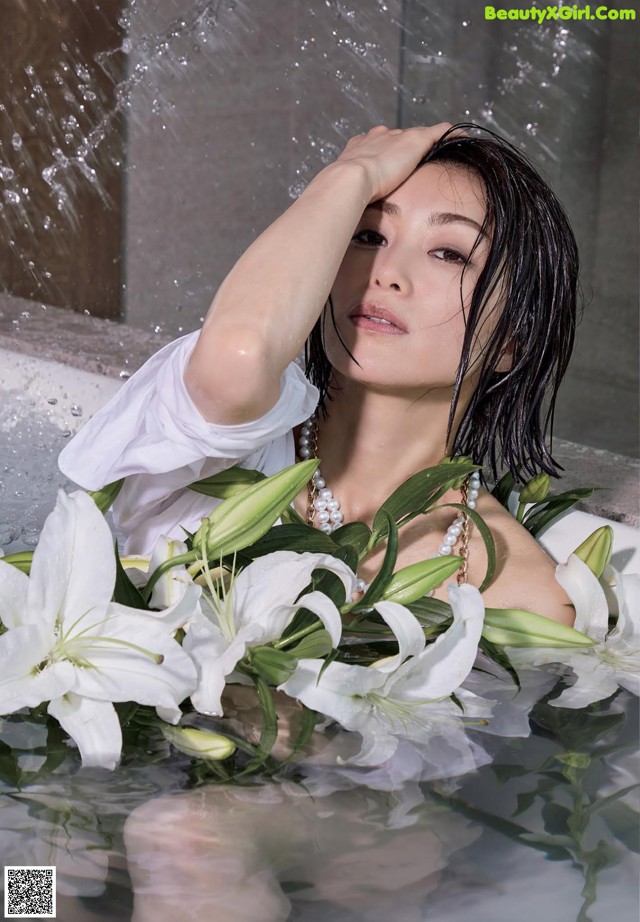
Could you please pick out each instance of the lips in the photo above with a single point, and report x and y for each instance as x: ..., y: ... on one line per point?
x: 373, y: 317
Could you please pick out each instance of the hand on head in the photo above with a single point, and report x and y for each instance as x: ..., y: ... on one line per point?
x: 390, y: 155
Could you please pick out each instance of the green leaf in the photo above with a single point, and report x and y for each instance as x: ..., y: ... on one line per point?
x: 228, y: 482
x: 291, y: 537
x: 498, y: 656
x: 357, y: 534
x: 273, y: 666
x: 105, y: 497
x: 289, y: 516
x: 486, y: 536
x: 379, y: 584
x: 10, y: 772
x: 538, y: 518
x: 308, y: 722
x: 419, y: 492
x: 269, y: 731
x: 21, y: 560
x: 504, y: 488
x: 124, y: 592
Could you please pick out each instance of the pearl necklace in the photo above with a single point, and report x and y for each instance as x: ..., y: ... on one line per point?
x: 325, y: 508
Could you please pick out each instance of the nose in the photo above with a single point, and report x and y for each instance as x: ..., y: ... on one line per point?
x: 391, y: 270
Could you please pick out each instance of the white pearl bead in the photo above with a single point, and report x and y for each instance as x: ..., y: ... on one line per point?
x: 473, y: 494
x: 326, y: 528
x: 305, y: 452
x: 333, y: 505
x: 325, y: 493
x: 471, y: 503
x: 475, y: 477
x: 303, y: 441
x: 361, y: 586
x: 454, y: 530
x: 320, y: 483
x: 320, y: 505
x: 306, y: 431
x: 336, y: 517
x: 323, y: 517
x: 444, y: 550
x: 449, y: 540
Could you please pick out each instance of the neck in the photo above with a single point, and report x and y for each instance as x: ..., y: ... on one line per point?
x: 372, y: 441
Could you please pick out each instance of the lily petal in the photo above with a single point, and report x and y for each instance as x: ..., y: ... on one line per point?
x: 22, y: 682
x: 339, y: 693
x: 117, y: 671
x: 595, y: 681
x: 74, y: 570
x: 94, y: 726
x: 322, y: 606
x: 215, y: 659
x: 587, y: 596
x: 274, y: 582
x: 409, y: 634
x: 627, y: 627
x: 14, y: 588
x: 444, y: 664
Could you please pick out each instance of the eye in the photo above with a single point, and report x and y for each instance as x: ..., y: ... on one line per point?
x: 369, y: 238
x: 450, y: 256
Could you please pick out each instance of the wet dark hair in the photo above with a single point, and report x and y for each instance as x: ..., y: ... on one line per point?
x: 534, y: 257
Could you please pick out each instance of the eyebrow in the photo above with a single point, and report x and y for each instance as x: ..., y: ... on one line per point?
x: 436, y: 219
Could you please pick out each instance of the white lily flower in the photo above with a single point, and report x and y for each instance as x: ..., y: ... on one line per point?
x: 175, y: 596
x: 257, y: 608
x: 411, y: 701
x: 67, y: 643
x: 614, y: 659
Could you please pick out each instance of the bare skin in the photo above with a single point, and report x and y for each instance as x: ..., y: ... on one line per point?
x: 389, y: 415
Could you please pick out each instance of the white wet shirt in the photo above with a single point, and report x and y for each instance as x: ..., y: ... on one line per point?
x: 152, y: 434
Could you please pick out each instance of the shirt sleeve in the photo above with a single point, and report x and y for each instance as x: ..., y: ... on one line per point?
x: 152, y: 433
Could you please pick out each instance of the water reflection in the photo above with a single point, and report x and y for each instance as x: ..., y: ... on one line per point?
x: 552, y: 819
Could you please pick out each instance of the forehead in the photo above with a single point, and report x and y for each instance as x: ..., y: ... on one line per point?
x: 441, y: 187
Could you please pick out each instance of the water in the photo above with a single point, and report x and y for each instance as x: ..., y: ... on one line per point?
x: 547, y: 828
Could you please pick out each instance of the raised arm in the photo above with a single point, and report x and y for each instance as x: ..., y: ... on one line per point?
x: 266, y: 307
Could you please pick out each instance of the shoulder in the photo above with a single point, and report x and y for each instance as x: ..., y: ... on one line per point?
x: 525, y: 574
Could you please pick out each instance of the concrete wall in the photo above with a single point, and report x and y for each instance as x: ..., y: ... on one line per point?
x: 219, y: 145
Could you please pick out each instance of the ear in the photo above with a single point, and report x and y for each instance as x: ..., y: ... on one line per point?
x: 506, y: 360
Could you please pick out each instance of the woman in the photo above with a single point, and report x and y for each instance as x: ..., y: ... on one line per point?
x: 433, y: 277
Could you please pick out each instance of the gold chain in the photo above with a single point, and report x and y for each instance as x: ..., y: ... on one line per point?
x: 461, y: 577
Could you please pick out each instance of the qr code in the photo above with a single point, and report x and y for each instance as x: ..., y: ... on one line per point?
x: 30, y: 892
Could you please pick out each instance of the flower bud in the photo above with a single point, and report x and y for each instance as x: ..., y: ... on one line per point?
x: 415, y: 581
x: 274, y: 666
x: 595, y: 550
x: 200, y: 744
x: 536, y: 490
x: 513, y: 627
x: 246, y: 516
x: 314, y: 646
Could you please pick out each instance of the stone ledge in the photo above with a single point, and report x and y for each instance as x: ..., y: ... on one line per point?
x: 80, y: 340
x: 116, y: 351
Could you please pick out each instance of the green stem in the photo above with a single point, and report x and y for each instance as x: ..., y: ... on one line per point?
x: 180, y: 561
x: 520, y: 512
x: 292, y: 638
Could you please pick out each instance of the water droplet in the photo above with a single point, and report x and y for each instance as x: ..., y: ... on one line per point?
x: 53, y: 401
x: 16, y: 141
x: 12, y: 197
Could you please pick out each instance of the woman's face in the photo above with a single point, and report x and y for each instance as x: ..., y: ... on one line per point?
x: 404, y: 264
